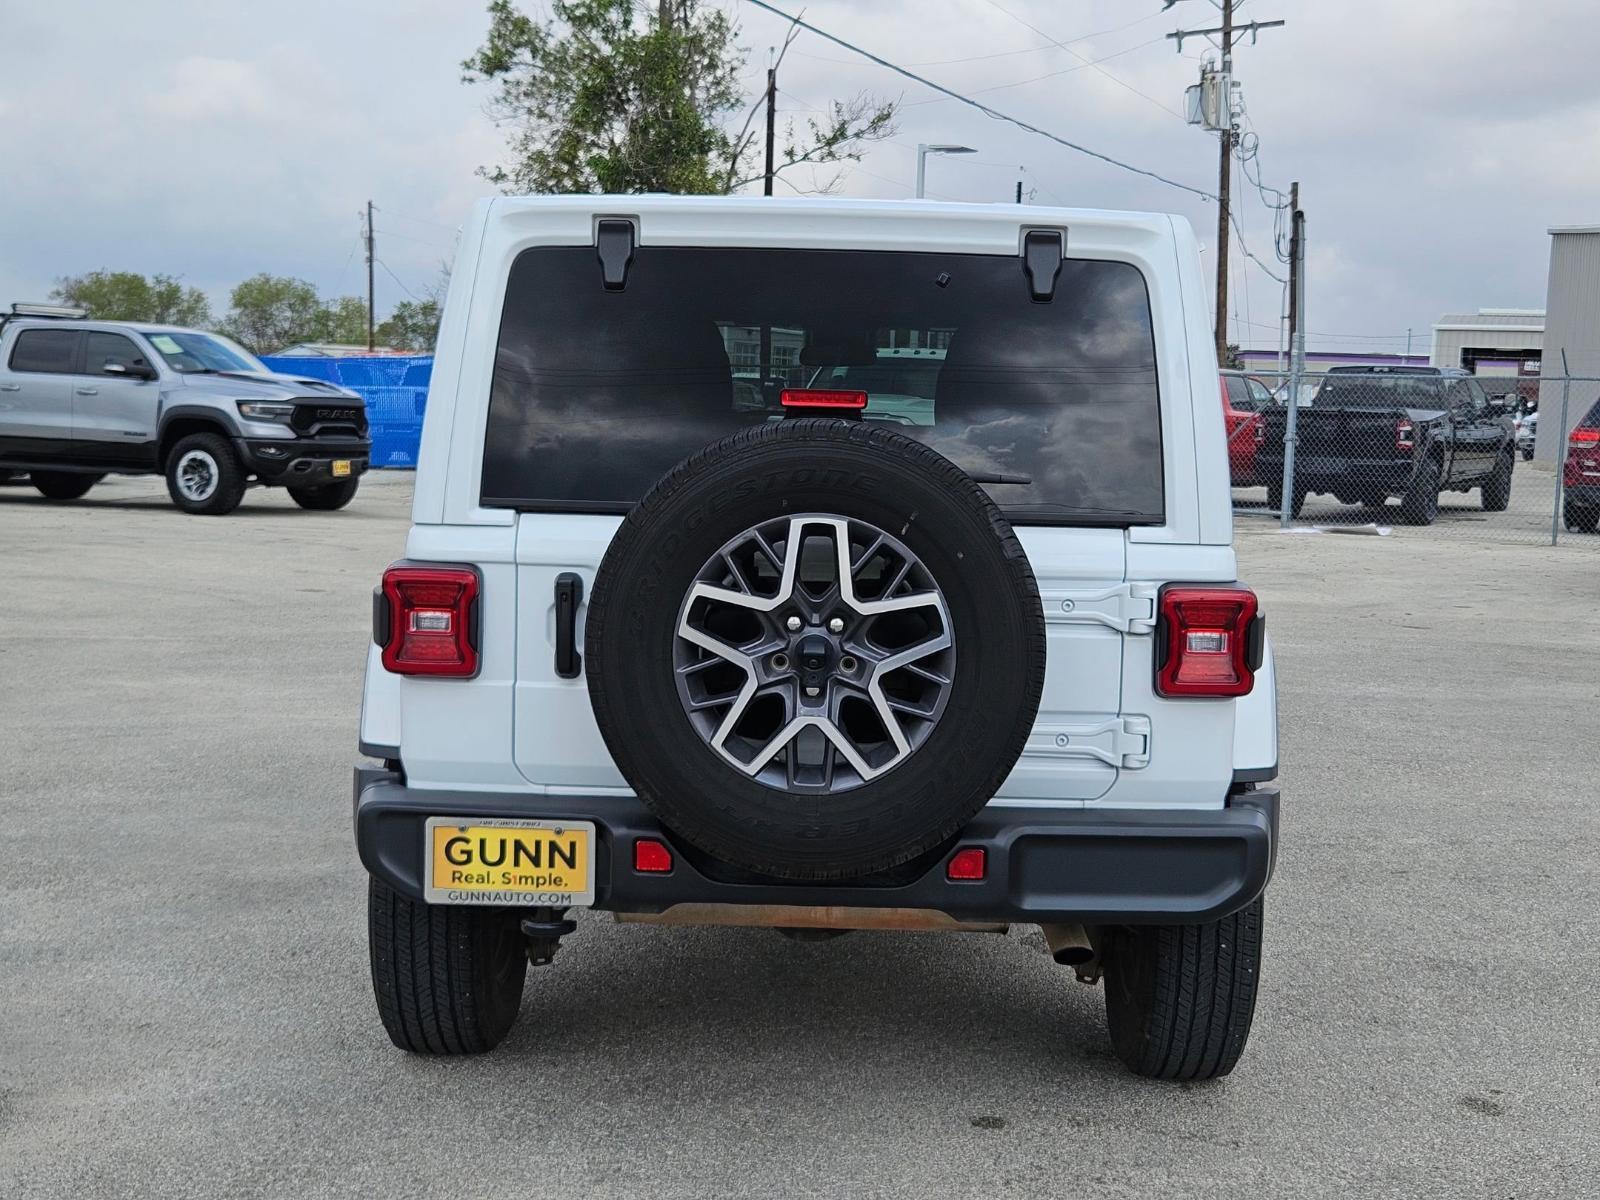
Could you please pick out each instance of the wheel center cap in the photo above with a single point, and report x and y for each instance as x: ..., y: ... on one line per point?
x: 814, y: 659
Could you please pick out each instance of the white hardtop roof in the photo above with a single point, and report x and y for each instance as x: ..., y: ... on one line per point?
x: 806, y: 222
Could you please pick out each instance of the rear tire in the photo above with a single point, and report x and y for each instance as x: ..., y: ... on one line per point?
x: 326, y: 497
x: 1180, y: 998
x: 204, y: 476
x: 448, y: 979
x: 1497, y: 488
x: 63, y: 485
x: 1420, y: 504
x: 1581, y: 518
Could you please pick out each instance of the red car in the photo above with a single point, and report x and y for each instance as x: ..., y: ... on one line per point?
x: 1580, y: 477
x: 1243, y: 398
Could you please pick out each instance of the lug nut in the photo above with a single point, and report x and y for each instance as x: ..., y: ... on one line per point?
x: 792, y: 624
x: 836, y: 625
x: 813, y: 691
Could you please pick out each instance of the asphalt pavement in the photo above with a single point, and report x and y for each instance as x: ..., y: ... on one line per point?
x: 184, y: 1001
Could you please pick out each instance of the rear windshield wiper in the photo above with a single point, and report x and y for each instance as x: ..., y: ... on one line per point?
x: 996, y: 477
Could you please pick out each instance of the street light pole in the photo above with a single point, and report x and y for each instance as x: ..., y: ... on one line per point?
x: 923, y: 150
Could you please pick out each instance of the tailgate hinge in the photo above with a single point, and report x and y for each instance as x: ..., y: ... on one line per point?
x: 1127, y: 607
x: 1117, y: 742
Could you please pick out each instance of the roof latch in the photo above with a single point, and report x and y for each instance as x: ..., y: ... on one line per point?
x: 614, y: 241
x: 1041, y: 261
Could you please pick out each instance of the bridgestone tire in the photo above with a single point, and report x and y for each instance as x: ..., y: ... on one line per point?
x: 63, y: 485
x: 861, y: 471
x: 448, y: 978
x: 1180, y: 998
x: 326, y: 497
x: 1497, y: 488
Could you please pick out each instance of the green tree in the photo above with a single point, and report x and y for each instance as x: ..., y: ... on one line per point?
x: 344, y: 320
x: 600, y: 99
x: 269, y: 312
x: 414, y: 325
x: 129, y: 296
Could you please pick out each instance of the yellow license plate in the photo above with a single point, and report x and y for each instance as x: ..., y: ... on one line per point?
x: 341, y: 466
x: 493, y: 861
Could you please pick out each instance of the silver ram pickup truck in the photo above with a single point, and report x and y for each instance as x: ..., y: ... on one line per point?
x: 82, y: 399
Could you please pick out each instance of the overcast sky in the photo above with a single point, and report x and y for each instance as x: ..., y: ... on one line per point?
x: 1435, y: 140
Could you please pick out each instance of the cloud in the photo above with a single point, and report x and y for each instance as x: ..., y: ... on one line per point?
x: 1435, y: 140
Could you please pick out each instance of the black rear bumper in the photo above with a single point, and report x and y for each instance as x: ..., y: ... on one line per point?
x: 1112, y: 866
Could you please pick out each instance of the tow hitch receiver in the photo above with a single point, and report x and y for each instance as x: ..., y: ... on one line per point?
x: 544, y: 931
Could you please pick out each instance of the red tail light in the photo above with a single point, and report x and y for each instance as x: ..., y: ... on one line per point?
x: 821, y: 398
x: 428, y: 625
x: 1405, y: 435
x: 1261, y: 430
x: 1210, y: 641
x: 1583, y: 438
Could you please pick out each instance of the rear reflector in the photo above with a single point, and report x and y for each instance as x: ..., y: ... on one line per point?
x: 1207, y: 640
x: 650, y: 857
x: 821, y: 398
x: 429, y: 626
x: 967, y: 864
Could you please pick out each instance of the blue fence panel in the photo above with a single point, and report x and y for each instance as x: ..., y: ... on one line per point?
x: 395, y: 387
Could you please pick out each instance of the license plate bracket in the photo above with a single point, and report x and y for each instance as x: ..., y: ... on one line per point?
x: 509, y: 863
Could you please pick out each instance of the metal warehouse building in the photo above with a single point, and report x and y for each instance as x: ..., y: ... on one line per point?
x: 1572, y: 329
x: 1491, y: 341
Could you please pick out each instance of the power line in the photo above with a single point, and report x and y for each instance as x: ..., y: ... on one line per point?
x: 396, y: 278
x: 1050, y: 75
x: 988, y: 111
x: 1086, y: 62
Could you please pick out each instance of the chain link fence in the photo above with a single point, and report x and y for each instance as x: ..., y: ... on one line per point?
x: 1456, y: 455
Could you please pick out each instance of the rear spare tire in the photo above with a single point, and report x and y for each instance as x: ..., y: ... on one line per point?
x: 815, y: 649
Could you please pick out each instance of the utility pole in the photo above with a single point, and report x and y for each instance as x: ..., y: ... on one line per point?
x: 1294, y: 264
x: 371, y: 344
x: 1297, y: 352
x: 1224, y: 179
x: 1218, y: 114
x: 772, y: 124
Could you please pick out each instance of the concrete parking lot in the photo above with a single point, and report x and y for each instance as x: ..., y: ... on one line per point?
x: 184, y: 1004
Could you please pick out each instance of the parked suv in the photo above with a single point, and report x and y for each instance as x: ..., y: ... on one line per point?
x: 82, y: 399
x: 1580, y: 478
x: 657, y: 653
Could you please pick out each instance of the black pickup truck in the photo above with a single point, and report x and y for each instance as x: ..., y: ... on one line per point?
x: 1370, y: 433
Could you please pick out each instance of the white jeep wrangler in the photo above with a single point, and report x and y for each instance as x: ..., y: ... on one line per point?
x: 694, y: 627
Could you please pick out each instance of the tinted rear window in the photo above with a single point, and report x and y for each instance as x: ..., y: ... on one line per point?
x: 1381, y: 391
x: 48, y: 350
x: 597, y: 394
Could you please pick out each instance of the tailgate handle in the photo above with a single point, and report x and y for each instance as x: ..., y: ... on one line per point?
x: 569, y: 594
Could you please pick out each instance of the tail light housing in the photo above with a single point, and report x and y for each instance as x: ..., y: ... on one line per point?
x: 1261, y: 429
x: 1209, y: 641
x: 1405, y: 435
x: 425, y: 620
x: 1584, y: 439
